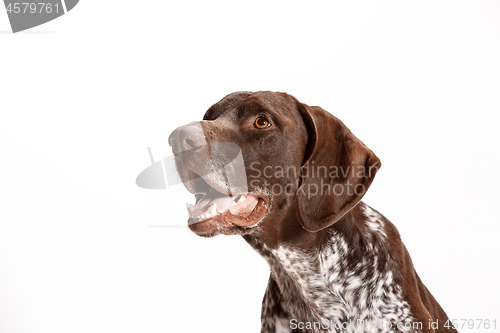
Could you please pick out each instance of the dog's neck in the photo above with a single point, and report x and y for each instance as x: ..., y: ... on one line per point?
x: 349, y: 275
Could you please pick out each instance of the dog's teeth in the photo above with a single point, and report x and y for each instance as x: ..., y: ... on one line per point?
x: 188, y: 206
x: 242, y: 198
x: 213, y: 210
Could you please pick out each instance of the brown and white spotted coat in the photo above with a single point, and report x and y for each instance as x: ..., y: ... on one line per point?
x: 337, y: 283
x: 334, y: 260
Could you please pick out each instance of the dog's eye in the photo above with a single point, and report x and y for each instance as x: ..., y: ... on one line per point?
x: 261, y: 123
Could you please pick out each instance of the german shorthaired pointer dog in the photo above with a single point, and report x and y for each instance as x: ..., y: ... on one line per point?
x: 337, y: 265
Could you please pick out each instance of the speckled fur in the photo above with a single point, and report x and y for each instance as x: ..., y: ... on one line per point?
x: 326, y: 285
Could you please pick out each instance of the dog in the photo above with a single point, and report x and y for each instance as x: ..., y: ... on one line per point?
x: 289, y: 178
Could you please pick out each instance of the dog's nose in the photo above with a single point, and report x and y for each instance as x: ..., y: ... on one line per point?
x: 187, y: 137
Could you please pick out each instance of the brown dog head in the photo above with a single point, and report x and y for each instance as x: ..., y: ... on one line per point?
x: 259, y: 159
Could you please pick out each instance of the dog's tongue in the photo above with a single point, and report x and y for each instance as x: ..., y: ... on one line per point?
x: 223, y: 203
x: 239, y: 205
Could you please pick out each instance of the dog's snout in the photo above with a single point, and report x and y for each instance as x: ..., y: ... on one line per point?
x: 187, y: 137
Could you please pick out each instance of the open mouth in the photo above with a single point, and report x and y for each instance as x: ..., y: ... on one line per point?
x: 215, y: 211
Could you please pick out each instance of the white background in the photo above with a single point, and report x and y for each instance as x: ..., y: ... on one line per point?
x: 82, y: 97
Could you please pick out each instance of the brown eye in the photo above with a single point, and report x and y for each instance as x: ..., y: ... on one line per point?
x: 261, y: 123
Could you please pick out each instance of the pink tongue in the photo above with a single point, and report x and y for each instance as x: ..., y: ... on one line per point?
x: 244, y: 207
x: 223, y: 203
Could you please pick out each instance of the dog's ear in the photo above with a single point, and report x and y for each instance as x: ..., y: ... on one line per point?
x: 337, y: 170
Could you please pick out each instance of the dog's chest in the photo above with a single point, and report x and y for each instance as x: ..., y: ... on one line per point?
x: 339, y: 287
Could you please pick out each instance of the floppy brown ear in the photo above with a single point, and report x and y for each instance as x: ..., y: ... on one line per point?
x: 336, y: 173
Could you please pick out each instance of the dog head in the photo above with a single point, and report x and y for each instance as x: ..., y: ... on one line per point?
x: 260, y: 159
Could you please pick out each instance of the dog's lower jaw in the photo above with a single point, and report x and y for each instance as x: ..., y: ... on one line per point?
x: 226, y: 223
